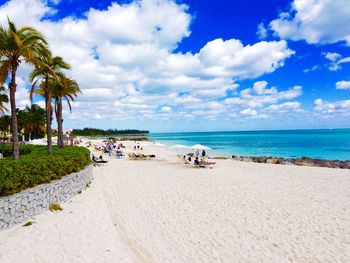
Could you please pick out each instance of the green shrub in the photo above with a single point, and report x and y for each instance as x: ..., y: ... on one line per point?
x: 36, y: 167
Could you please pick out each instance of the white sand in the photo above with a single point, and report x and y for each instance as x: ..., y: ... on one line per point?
x: 163, y: 211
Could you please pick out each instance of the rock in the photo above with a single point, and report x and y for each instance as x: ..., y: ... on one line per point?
x: 6, y: 218
x: 345, y: 165
x: 13, y: 211
x: 6, y: 205
x: 288, y: 161
x: 274, y: 160
x: 304, y: 161
x: 24, y: 200
x: 12, y: 204
x: 19, y: 219
x: 262, y: 159
x: 247, y: 159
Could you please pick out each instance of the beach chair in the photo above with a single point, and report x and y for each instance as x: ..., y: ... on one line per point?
x: 98, y: 162
x: 205, y: 164
x: 137, y: 156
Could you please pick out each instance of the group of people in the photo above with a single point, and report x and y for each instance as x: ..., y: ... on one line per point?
x: 198, y: 160
x: 110, y: 147
x: 137, y: 147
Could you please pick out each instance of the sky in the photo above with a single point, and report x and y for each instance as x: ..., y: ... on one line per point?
x: 192, y: 65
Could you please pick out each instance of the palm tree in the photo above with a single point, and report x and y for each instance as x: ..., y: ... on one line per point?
x: 56, y: 64
x: 62, y: 89
x: 3, y: 99
x: 66, y: 89
x: 32, y: 121
x: 17, y: 45
x: 5, y: 123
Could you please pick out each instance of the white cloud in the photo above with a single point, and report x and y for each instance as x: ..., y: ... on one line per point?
x: 249, y: 112
x: 312, y: 69
x: 283, y: 107
x: 124, y: 61
x: 336, y: 107
x: 165, y: 109
x: 332, y: 56
x: 231, y: 58
x: 343, y: 85
x: 335, y: 60
x: 315, y: 21
x: 262, y: 32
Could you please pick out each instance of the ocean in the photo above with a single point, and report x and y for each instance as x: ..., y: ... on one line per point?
x: 331, y: 144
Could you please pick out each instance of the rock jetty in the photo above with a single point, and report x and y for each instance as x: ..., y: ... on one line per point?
x: 303, y: 161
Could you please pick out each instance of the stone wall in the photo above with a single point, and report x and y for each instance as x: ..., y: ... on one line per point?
x: 20, y: 207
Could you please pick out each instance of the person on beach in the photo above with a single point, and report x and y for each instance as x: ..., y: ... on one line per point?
x: 203, y: 153
x: 110, y: 149
x: 100, y: 160
x: 196, y: 161
x: 197, y: 152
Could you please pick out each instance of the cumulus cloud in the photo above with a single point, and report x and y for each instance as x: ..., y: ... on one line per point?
x: 343, y: 85
x: 287, y: 106
x: 231, y: 58
x: 315, y: 21
x: 260, y: 95
x: 337, y: 107
x: 125, y: 62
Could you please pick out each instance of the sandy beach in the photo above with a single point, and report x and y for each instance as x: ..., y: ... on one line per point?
x: 165, y: 211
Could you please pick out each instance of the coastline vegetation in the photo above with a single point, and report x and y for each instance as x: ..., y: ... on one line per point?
x: 109, y: 132
x: 48, y: 79
x: 31, y: 123
x: 36, y: 167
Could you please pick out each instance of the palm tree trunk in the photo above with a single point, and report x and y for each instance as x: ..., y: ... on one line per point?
x: 12, y: 86
x: 48, y: 116
x: 59, y: 122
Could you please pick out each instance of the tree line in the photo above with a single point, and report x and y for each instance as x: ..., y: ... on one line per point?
x: 97, y: 132
x: 48, y: 79
x: 31, y: 123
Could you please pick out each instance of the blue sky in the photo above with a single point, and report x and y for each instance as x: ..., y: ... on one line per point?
x: 202, y: 65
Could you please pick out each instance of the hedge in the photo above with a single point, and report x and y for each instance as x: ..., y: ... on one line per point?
x: 36, y: 167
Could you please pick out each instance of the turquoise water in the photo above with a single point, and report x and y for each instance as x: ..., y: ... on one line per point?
x: 326, y: 144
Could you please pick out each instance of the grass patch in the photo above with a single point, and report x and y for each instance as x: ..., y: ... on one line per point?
x: 79, y: 192
x: 55, y: 207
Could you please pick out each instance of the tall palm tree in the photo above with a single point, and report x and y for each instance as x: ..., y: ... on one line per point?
x: 3, y: 99
x: 62, y: 89
x: 17, y: 45
x: 44, y: 74
x: 67, y: 89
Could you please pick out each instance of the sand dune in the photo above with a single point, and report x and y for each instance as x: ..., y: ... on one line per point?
x: 163, y: 211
